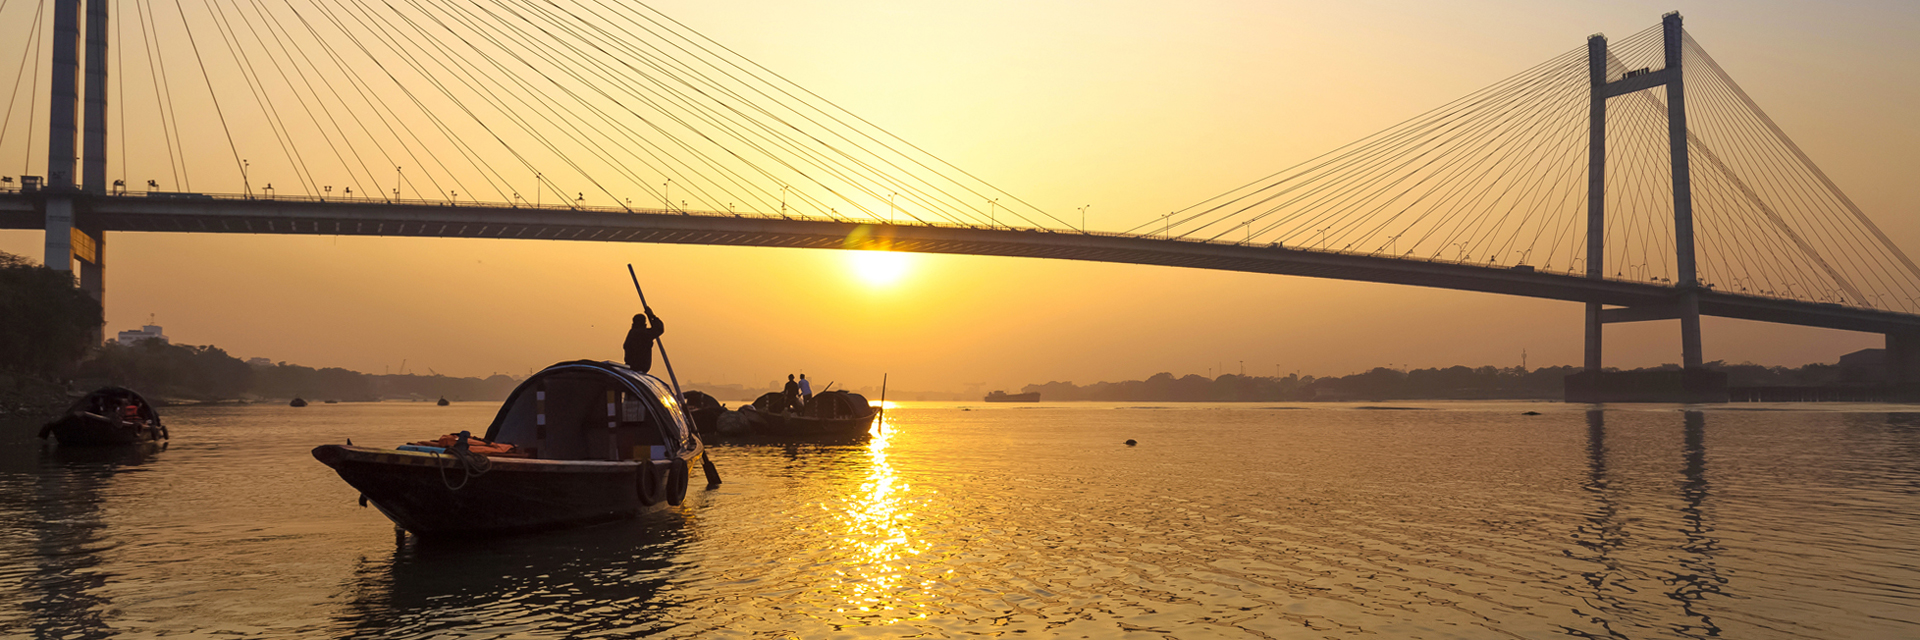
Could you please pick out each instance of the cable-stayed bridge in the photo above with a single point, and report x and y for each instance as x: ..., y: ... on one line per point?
x: 1633, y: 176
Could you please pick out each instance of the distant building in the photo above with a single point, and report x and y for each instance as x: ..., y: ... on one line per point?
x: 1866, y: 365
x: 148, y: 332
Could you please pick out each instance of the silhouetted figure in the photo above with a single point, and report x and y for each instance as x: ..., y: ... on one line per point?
x: 792, y: 393
x: 646, y: 328
x: 806, y: 391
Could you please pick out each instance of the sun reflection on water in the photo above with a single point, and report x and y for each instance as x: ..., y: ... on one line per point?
x: 881, y: 544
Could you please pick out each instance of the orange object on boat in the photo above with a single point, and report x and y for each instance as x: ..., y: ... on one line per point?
x: 475, y: 445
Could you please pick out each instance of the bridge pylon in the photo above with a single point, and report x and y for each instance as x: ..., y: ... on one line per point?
x: 1686, y: 303
x: 69, y: 172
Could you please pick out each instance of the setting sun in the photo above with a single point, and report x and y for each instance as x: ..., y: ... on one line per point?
x: 878, y: 268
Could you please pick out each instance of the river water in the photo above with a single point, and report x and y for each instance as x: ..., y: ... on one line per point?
x: 1424, y: 520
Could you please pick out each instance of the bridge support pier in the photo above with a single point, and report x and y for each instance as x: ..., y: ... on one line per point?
x: 1595, y: 331
x: 1903, y: 361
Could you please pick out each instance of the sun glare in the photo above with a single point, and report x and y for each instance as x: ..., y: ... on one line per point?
x: 878, y: 268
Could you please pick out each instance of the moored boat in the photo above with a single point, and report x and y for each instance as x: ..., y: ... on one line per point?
x: 1002, y: 396
x: 578, y: 443
x: 830, y: 418
x: 705, y: 410
x: 109, y: 416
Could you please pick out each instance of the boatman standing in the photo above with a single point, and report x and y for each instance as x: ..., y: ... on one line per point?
x: 646, y: 329
x: 806, y: 391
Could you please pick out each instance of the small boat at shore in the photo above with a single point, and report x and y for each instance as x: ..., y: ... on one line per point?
x: 298, y: 402
x: 578, y: 443
x: 830, y: 418
x: 109, y: 416
x: 1002, y: 396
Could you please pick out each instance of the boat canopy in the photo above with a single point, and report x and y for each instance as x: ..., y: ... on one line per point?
x: 588, y: 410
x: 839, y: 404
x: 832, y: 404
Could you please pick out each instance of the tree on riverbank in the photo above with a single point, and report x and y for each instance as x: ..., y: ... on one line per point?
x: 163, y: 370
x: 46, y: 322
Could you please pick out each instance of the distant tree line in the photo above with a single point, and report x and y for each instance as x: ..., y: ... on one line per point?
x: 207, y: 374
x: 1456, y: 382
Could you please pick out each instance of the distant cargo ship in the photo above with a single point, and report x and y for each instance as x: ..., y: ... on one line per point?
x: 1002, y: 396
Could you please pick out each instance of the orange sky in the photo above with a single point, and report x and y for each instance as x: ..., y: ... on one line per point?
x: 1133, y: 108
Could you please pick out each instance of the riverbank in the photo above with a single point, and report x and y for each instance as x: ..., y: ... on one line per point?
x: 26, y: 396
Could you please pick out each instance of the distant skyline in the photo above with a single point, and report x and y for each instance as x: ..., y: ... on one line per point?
x: 1128, y: 109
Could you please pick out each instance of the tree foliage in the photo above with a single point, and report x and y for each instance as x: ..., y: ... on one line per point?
x: 160, y: 369
x: 46, y: 322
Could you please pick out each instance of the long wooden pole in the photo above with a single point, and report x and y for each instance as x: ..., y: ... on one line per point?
x: 679, y: 397
x: 706, y: 465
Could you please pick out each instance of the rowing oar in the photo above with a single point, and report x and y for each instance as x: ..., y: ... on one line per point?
x: 713, y: 475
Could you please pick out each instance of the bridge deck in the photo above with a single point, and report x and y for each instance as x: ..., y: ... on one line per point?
x: 206, y: 214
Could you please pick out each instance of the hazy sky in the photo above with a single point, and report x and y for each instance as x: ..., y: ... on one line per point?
x: 1134, y: 108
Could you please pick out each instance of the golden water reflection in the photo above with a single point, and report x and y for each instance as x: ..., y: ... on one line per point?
x: 881, y: 545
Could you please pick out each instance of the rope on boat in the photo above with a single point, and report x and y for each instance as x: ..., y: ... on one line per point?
x: 473, y: 464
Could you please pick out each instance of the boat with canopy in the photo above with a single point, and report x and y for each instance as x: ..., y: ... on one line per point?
x: 577, y: 443
x: 109, y: 416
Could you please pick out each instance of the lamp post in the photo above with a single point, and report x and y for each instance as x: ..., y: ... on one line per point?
x: 990, y: 207
x: 244, y: 184
x: 890, y: 207
x: 327, y: 192
x: 666, y: 197
x: 1083, y: 219
x: 783, y: 201
x: 396, y: 183
x: 1166, y: 226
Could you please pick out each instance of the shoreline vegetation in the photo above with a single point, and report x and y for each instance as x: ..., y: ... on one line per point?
x: 1382, y: 383
x: 188, y: 374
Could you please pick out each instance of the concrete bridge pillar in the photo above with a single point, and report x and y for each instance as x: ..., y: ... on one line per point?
x: 1903, y: 360
x: 1596, y: 190
x: 1689, y: 279
x: 67, y: 237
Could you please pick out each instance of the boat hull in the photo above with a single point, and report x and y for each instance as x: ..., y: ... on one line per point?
x: 434, y: 495
x: 774, y: 428
x: 78, y: 429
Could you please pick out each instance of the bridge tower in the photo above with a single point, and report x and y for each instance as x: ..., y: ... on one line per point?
x: 69, y: 236
x: 1686, y: 303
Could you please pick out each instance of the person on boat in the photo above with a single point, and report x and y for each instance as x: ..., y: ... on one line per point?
x: 791, y: 394
x: 646, y: 329
x: 806, y: 391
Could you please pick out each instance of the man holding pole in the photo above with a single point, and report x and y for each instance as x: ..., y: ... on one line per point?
x: 639, y: 346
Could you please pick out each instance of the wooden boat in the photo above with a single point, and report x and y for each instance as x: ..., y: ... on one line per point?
x: 706, y: 411
x: 1002, y: 396
x: 589, y: 442
x: 832, y: 417
x: 109, y: 416
x: 298, y: 402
